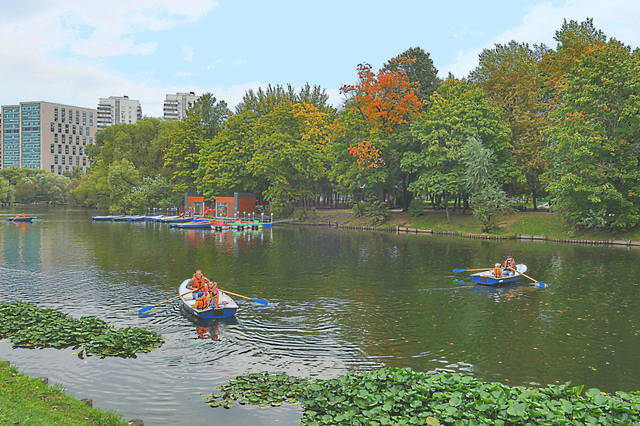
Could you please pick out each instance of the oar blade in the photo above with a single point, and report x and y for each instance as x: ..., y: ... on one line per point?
x: 145, y: 309
x: 540, y: 284
x: 260, y: 301
x: 459, y: 270
x: 458, y: 282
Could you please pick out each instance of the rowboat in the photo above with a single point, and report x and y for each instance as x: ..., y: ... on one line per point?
x: 487, y: 277
x: 20, y: 219
x: 103, y: 218
x: 176, y: 219
x: 127, y: 218
x: 226, y: 308
x: 191, y: 225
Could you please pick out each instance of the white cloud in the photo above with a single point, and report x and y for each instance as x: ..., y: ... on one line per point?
x: 214, y: 64
x: 617, y: 18
x: 187, y: 53
x: 238, y: 61
x: 183, y: 74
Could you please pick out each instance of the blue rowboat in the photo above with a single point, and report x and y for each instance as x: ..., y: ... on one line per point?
x: 487, y: 277
x: 176, y: 219
x: 128, y: 218
x: 191, y: 225
x: 103, y: 218
x: 226, y: 309
x: 20, y: 219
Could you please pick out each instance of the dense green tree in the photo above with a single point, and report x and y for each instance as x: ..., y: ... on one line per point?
x: 7, y: 191
x: 122, y: 178
x: 595, y: 178
x: 510, y: 75
x: 93, y: 189
x: 152, y: 192
x: 263, y: 101
x: 419, y: 68
x: 182, y: 155
x: 209, y: 113
x: 456, y: 111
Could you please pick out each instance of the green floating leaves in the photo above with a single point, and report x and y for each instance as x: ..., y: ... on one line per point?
x: 28, y: 326
x: 391, y: 396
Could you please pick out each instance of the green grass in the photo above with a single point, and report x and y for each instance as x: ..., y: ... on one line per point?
x: 26, y: 400
x: 530, y: 223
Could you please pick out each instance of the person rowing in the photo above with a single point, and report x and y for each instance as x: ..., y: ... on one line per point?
x: 197, y: 284
x: 509, y: 265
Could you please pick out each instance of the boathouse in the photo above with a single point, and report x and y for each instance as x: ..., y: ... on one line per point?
x: 226, y: 205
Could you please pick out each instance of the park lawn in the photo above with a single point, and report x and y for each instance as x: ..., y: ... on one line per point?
x: 26, y: 400
x: 529, y: 223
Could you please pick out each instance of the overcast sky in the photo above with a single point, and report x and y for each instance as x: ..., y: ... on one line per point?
x: 75, y: 51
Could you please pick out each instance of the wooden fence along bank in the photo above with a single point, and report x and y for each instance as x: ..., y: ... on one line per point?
x: 399, y: 229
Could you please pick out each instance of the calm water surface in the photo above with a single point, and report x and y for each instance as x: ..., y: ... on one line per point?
x: 338, y: 300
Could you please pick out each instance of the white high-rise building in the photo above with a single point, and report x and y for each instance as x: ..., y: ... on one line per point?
x: 176, y: 105
x: 118, y: 109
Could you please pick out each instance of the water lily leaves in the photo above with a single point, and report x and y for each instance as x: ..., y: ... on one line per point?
x: 28, y: 326
x: 409, y: 397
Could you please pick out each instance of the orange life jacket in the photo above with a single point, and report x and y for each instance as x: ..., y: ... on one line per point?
x: 198, y: 283
x: 497, y: 272
x: 202, y: 302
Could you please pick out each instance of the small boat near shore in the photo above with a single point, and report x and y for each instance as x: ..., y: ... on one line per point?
x: 192, y: 225
x: 20, y: 219
x: 487, y: 277
x: 227, y: 307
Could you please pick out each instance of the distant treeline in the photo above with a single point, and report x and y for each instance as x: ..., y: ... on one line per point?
x: 32, y: 186
x: 528, y: 122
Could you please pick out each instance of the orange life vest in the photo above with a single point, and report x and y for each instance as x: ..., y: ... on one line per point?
x: 212, y: 291
x: 509, y: 263
x: 198, y: 283
x: 202, y: 302
x: 497, y: 272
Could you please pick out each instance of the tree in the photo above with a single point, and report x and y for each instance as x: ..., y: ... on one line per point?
x: 152, y: 192
x: 487, y: 199
x: 263, y: 101
x: 595, y: 152
x: 417, y: 65
x: 182, y: 156
x: 210, y: 114
x: 122, y: 178
x: 7, y: 192
x: 455, y: 112
x: 510, y: 75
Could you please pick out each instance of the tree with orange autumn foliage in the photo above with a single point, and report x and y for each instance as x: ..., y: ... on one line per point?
x: 387, y: 99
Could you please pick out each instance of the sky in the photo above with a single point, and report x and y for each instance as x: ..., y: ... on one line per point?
x: 76, y: 51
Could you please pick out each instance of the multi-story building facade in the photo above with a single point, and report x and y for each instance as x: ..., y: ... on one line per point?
x: 48, y: 136
x: 118, y: 109
x: 176, y: 105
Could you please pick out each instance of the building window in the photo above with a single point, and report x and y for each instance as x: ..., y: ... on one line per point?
x: 73, y: 130
x: 77, y: 161
x: 53, y: 129
x: 84, y: 161
x: 66, y: 128
x: 63, y: 115
x: 90, y: 119
x: 55, y: 159
x: 52, y: 148
x: 77, y: 117
x: 91, y: 140
x: 55, y: 138
x: 63, y: 139
x: 77, y: 140
x: 52, y: 169
x: 66, y: 149
x: 66, y: 168
x: 88, y: 131
x: 59, y: 128
x: 80, y: 129
x: 80, y: 150
x: 59, y: 149
x: 74, y: 151
x: 84, y: 118
x: 55, y: 114
x: 84, y: 140
x: 64, y: 159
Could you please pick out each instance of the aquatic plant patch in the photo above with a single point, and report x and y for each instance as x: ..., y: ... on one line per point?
x: 402, y: 396
x: 28, y: 326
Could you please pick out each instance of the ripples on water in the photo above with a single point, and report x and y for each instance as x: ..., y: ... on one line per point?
x: 338, y: 301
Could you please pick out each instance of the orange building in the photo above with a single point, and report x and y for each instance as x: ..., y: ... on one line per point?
x: 239, y: 203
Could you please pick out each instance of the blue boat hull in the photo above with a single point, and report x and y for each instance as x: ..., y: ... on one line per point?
x: 102, y: 218
x: 197, y: 225
x: 20, y: 219
x: 494, y: 281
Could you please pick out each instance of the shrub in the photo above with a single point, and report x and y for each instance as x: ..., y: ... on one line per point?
x: 416, y: 207
x: 374, y: 210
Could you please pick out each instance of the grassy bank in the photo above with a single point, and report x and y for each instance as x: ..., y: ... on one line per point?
x: 532, y: 223
x: 26, y: 400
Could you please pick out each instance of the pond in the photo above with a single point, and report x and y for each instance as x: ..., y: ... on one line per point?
x: 338, y: 300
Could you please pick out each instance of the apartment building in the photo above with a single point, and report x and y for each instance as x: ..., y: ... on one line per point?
x: 176, y: 105
x: 118, y: 109
x: 48, y: 136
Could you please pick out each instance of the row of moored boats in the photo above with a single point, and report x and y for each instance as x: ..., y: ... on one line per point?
x: 195, y: 222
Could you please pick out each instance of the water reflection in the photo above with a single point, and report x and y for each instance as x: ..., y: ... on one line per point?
x: 337, y: 300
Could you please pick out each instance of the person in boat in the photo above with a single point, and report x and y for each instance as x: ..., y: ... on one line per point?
x: 198, y: 283
x: 509, y: 265
x: 497, y: 271
x: 211, y: 289
x: 24, y: 215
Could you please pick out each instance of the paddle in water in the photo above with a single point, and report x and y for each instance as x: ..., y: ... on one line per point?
x: 148, y: 308
x: 260, y: 301
x: 468, y: 270
x: 535, y: 282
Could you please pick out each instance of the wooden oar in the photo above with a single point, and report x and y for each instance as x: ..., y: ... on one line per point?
x: 260, y: 301
x: 148, y: 308
x: 535, y: 282
x: 467, y: 270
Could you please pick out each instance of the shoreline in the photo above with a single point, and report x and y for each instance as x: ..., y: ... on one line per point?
x: 469, y: 235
